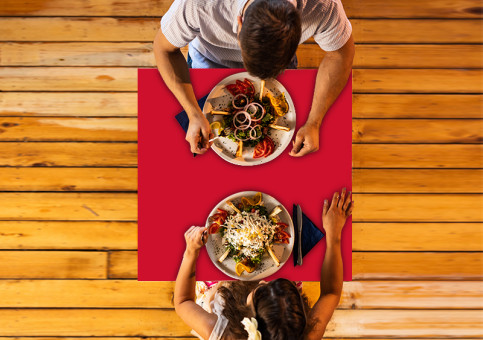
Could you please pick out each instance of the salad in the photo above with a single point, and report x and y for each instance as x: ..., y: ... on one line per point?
x: 250, y: 116
x: 248, y: 231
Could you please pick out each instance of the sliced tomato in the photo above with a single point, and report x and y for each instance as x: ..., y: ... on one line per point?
x: 213, y: 229
x: 283, y: 234
x: 260, y: 149
x: 222, y: 212
x: 233, y: 89
x: 281, y: 226
x: 251, y: 88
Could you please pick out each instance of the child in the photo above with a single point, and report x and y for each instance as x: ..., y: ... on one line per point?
x: 261, y: 310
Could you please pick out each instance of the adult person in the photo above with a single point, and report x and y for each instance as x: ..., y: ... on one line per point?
x: 262, y: 36
x: 274, y: 310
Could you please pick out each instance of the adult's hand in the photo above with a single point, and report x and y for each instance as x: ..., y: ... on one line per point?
x: 336, y: 213
x: 195, y: 239
x: 199, y: 133
x: 306, y: 140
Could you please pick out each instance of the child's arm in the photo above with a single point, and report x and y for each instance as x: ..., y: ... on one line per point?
x: 184, y: 291
x: 331, y: 277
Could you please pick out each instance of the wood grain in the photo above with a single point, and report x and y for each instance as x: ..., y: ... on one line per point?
x: 52, y: 265
x: 310, y: 55
x: 69, y: 154
x: 418, y: 265
x: 68, y: 104
x: 125, y: 104
x: 149, y: 322
x: 125, y: 79
x: 417, y: 106
x: 365, y: 266
x: 417, y: 156
x: 62, y: 235
x: 69, y: 206
x: 417, y: 81
x: 134, y: 294
x: 68, y: 179
x: 144, y: 29
x: 417, y: 237
x: 68, y: 129
x: 418, y: 208
x: 417, y: 181
x: 353, y: 8
x: 422, y: 131
x: 125, y: 179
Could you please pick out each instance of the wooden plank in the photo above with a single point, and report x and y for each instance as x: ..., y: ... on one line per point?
x: 68, y: 104
x: 417, y: 131
x: 413, y: 31
x: 417, y: 106
x: 67, y: 235
x: 52, y: 265
x: 68, y: 206
x: 353, y: 8
x: 125, y: 79
x: 309, y: 55
x: 417, y: 237
x: 418, y: 208
x: 68, y: 179
x: 365, y: 266
x: 135, y: 294
x: 123, y: 264
x: 68, y: 79
x: 417, y: 156
x: 397, y: 56
x: 417, y: 181
x: 416, y: 265
x: 68, y: 129
x: 144, y: 29
x: 149, y: 322
x: 68, y: 154
x: 125, y: 104
x: 417, y: 81
x: 122, y: 207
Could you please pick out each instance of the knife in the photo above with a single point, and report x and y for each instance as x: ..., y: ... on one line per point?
x: 299, y: 224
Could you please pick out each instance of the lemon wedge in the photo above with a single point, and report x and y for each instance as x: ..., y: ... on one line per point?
x: 216, y: 126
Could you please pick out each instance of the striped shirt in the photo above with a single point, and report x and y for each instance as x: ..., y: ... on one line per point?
x: 210, y: 28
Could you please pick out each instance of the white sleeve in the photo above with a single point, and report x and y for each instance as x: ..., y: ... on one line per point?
x: 335, y: 29
x: 180, y: 24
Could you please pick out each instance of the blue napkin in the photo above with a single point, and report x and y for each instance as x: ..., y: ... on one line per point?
x: 311, y: 235
x: 183, y: 119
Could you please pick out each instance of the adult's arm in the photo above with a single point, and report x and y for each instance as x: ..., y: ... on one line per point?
x: 184, y: 291
x: 331, y: 277
x: 174, y: 70
x: 331, y: 78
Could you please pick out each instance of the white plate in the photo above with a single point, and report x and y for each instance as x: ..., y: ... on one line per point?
x: 219, y: 98
x: 266, y: 267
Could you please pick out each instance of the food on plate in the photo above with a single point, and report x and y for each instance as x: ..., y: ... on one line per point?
x: 248, y: 231
x: 249, y: 118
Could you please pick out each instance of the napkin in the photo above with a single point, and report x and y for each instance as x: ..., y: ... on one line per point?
x: 183, y: 119
x: 311, y: 235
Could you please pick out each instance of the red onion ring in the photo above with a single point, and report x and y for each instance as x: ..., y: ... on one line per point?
x: 252, y: 114
x: 235, y: 98
x: 244, y: 124
x: 254, y: 128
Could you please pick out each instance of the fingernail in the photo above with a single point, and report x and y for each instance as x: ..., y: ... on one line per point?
x: 325, y: 201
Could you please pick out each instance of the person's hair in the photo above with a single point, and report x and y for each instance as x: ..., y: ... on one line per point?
x: 280, y: 310
x: 279, y: 306
x: 269, y: 37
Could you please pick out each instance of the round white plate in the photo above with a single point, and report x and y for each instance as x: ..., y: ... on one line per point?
x: 219, y: 98
x: 266, y: 267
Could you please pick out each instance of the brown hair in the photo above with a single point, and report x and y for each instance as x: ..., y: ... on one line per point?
x: 269, y: 37
x: 280, y: 309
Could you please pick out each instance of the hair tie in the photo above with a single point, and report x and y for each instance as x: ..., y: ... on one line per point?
x: 251, y: 326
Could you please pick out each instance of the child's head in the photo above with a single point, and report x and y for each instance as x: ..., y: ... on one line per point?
x: 280, y: 310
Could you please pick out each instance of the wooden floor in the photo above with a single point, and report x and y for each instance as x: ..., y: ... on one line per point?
x: 68, y: 157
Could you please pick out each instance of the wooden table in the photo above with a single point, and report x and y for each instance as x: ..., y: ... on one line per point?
x: 68, y: 171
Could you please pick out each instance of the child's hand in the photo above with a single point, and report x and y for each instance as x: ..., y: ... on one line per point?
x: 335, y: 214
x: 195, y: 239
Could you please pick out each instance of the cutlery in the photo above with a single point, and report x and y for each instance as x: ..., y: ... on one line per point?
x: 299, y: 224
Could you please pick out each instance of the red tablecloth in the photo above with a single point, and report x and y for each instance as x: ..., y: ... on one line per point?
x: 177, y: 190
